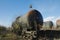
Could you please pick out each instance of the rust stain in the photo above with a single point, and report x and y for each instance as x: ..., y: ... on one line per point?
x: 31, y: 12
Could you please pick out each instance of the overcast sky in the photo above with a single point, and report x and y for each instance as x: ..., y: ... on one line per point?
x: 10, y: 9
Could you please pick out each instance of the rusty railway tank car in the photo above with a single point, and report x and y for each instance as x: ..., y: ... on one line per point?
x: 58, y: 23
x: 47, y: 25
x: 32, y: 20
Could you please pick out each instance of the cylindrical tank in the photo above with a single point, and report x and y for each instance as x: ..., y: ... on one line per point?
x: 58, y: 23
x: 32, y: 20
x: 47, y: 25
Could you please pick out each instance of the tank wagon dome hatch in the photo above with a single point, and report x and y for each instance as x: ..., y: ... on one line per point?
x: 35, y: 19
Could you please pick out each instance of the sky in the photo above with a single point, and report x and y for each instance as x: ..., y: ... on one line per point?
x: 10, y: 9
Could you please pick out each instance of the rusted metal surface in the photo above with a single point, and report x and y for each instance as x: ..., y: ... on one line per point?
x: 35, y: 19
x: 58, y: 23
